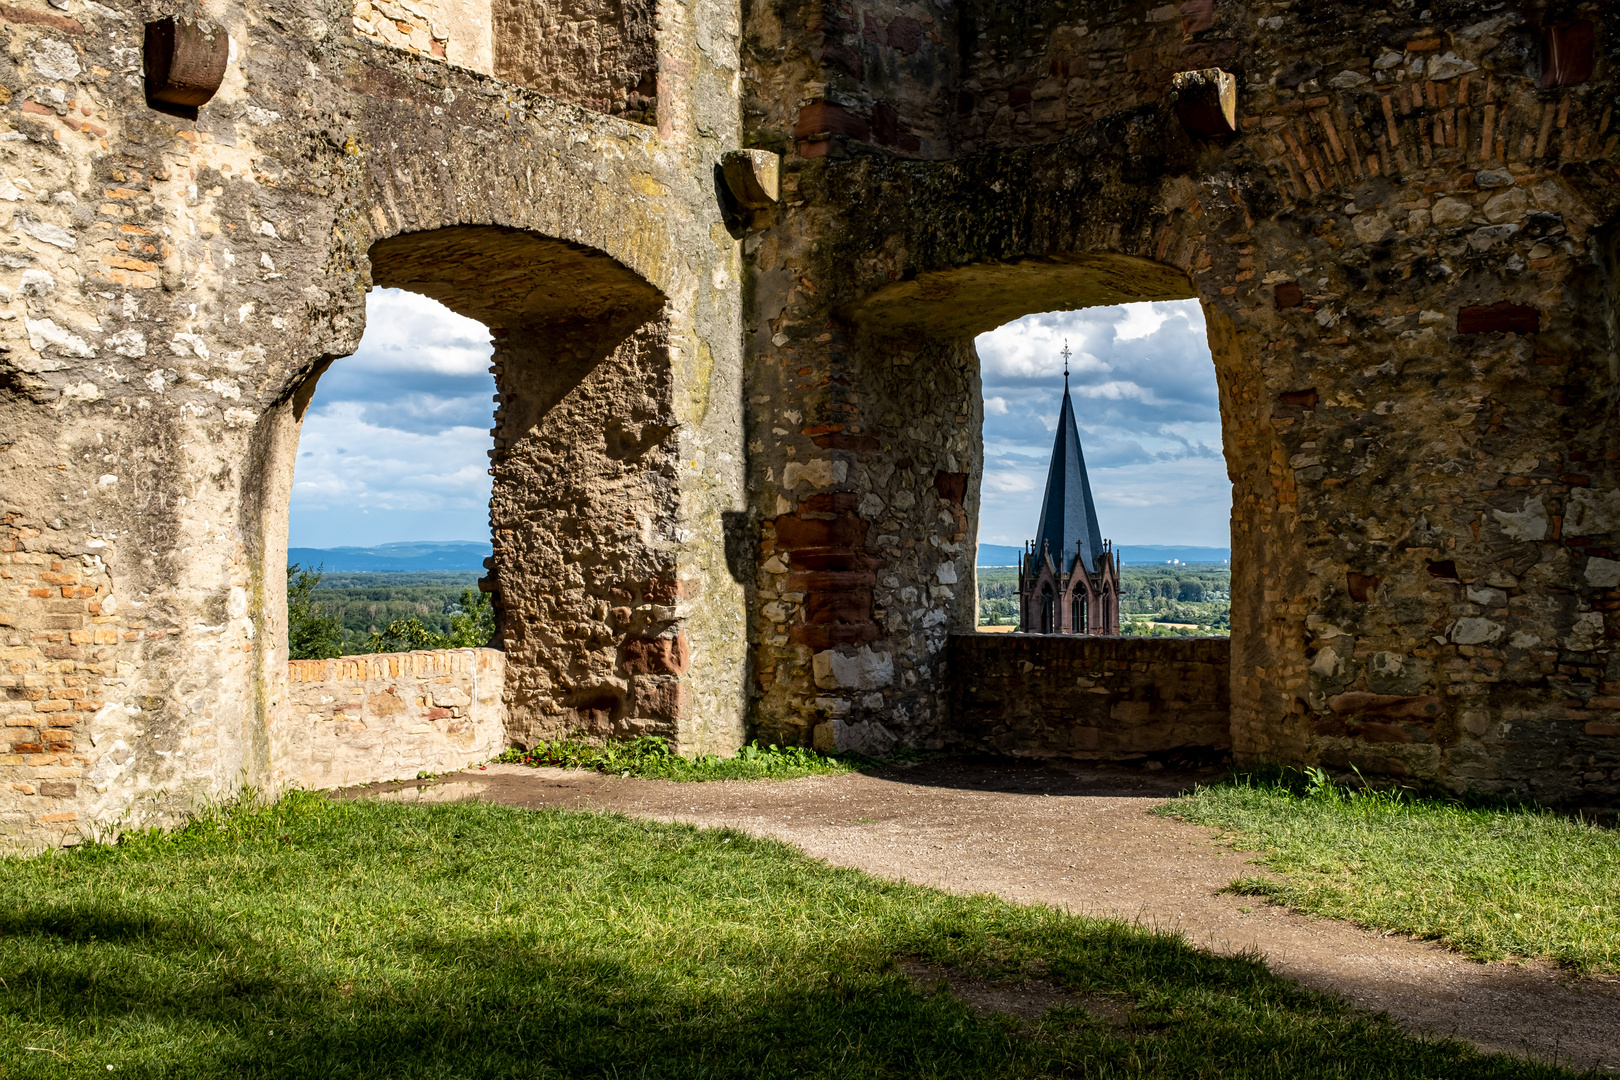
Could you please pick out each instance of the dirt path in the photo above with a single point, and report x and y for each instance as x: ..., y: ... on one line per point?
x: 1083, y: 840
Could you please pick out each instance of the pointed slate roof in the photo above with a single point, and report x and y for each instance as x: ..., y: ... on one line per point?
x: 1068, y: 517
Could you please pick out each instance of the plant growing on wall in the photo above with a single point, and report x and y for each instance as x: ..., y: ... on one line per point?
x: 311, y: 633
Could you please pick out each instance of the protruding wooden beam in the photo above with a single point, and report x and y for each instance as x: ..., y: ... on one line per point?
x: 185, y: 63
x: 753, y: 177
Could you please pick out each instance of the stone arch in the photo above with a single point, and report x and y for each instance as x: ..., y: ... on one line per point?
x: 585, y: 504
x: 919, y: 332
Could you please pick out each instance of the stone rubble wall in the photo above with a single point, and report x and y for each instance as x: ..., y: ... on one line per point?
x: 170, y: 292
x: 66, y: 646
x: 367, y: 719
x: 1405, y: 258
x: 1091, y: 698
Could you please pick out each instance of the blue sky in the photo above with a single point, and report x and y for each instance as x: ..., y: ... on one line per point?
x: 394, y: 444
x: 1144, y: 396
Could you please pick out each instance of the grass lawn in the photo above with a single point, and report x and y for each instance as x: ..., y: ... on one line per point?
x: 313, y: 938
x: 1493, y: 882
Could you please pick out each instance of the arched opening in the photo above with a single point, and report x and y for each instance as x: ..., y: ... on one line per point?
x: 581, y: 471
x: 388, y: 523
x: 1102, y: 429
x: 921, y: 385
x: 1048, y: 611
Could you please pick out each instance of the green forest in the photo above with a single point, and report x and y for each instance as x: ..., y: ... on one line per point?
x: 345, y: 614
x: 1155, y: 601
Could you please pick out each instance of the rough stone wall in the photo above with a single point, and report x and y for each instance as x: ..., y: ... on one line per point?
x: 175, y: 289
x: 584, y: 517
x: 1110, y: 699
x: 599, y: 54
x: 367, y: 719
x: 66, y: 649
x: 1035, y: 73
x: 1401, y: 257
x: 866, y: 560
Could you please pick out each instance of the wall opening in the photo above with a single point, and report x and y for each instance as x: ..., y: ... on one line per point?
x: 1154, y: 496
x: 580, y: 475
x: 390, y: 497
x: 922, y: 413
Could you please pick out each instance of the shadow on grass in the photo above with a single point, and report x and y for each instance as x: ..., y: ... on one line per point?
x: 468, y: 940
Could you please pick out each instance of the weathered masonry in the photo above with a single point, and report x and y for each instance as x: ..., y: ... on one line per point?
x: 738, y: 439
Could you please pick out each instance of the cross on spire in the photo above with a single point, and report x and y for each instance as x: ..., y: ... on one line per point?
x: 1065, y: 365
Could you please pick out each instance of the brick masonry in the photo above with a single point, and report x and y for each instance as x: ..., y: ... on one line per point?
x: 364, y: 719
x: 1091, y: 698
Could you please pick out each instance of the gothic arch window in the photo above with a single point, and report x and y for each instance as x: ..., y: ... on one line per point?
x: 1048, y: 609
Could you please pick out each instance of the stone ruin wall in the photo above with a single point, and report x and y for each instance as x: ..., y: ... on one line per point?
x: 173, y: 289
x: 750, y: 508
x: 1402, y: 258
x: 1091, y: 698
x: 369, y: 719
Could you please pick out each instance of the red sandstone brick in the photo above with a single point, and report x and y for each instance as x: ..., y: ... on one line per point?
x: 656, y: 656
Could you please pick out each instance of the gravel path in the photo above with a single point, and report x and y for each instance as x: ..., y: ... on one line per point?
x: 1082, y: 839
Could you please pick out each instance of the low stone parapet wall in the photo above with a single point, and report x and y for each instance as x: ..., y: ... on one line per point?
x: 390, y: 716
x: 1102, y: 698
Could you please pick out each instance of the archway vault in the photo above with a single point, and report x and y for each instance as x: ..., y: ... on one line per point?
x: 898, y: 423
x: 508, y: 277
x: 969, y: 300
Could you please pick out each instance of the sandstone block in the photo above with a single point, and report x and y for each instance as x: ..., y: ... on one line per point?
x: 656, y: 656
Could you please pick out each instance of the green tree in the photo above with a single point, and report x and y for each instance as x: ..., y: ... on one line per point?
x: 471, y: 627
x: 474, y: 624
x: 311, y: 633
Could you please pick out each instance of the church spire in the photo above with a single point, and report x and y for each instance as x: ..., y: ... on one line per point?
x: 1068, y: 523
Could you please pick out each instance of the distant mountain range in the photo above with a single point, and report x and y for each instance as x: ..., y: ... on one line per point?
x: 396, y: 558
x: 470, y: 555
x: 1130, y: 554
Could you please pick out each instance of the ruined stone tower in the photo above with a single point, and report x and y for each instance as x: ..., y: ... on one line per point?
x: 738, y: 436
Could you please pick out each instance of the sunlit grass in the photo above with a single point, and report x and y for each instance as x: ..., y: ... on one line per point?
x: 312, y: 938
x: 1492, y: 882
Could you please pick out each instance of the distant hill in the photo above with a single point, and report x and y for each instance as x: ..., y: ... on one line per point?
x: 396, y: 558
x: 1130, y: 554
x: 470, y: 555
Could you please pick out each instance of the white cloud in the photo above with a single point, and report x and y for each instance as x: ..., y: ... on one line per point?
x: 395, y: 443
x: 407, y: 332
x: 1008, y: 481
x: 1145, y: 398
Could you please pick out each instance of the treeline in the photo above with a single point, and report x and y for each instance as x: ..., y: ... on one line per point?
x: 1197, y: 597
x: 345, y: 614
x: 1149, y: 588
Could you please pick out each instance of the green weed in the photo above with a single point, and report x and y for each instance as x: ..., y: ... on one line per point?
x: 649, y: 756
